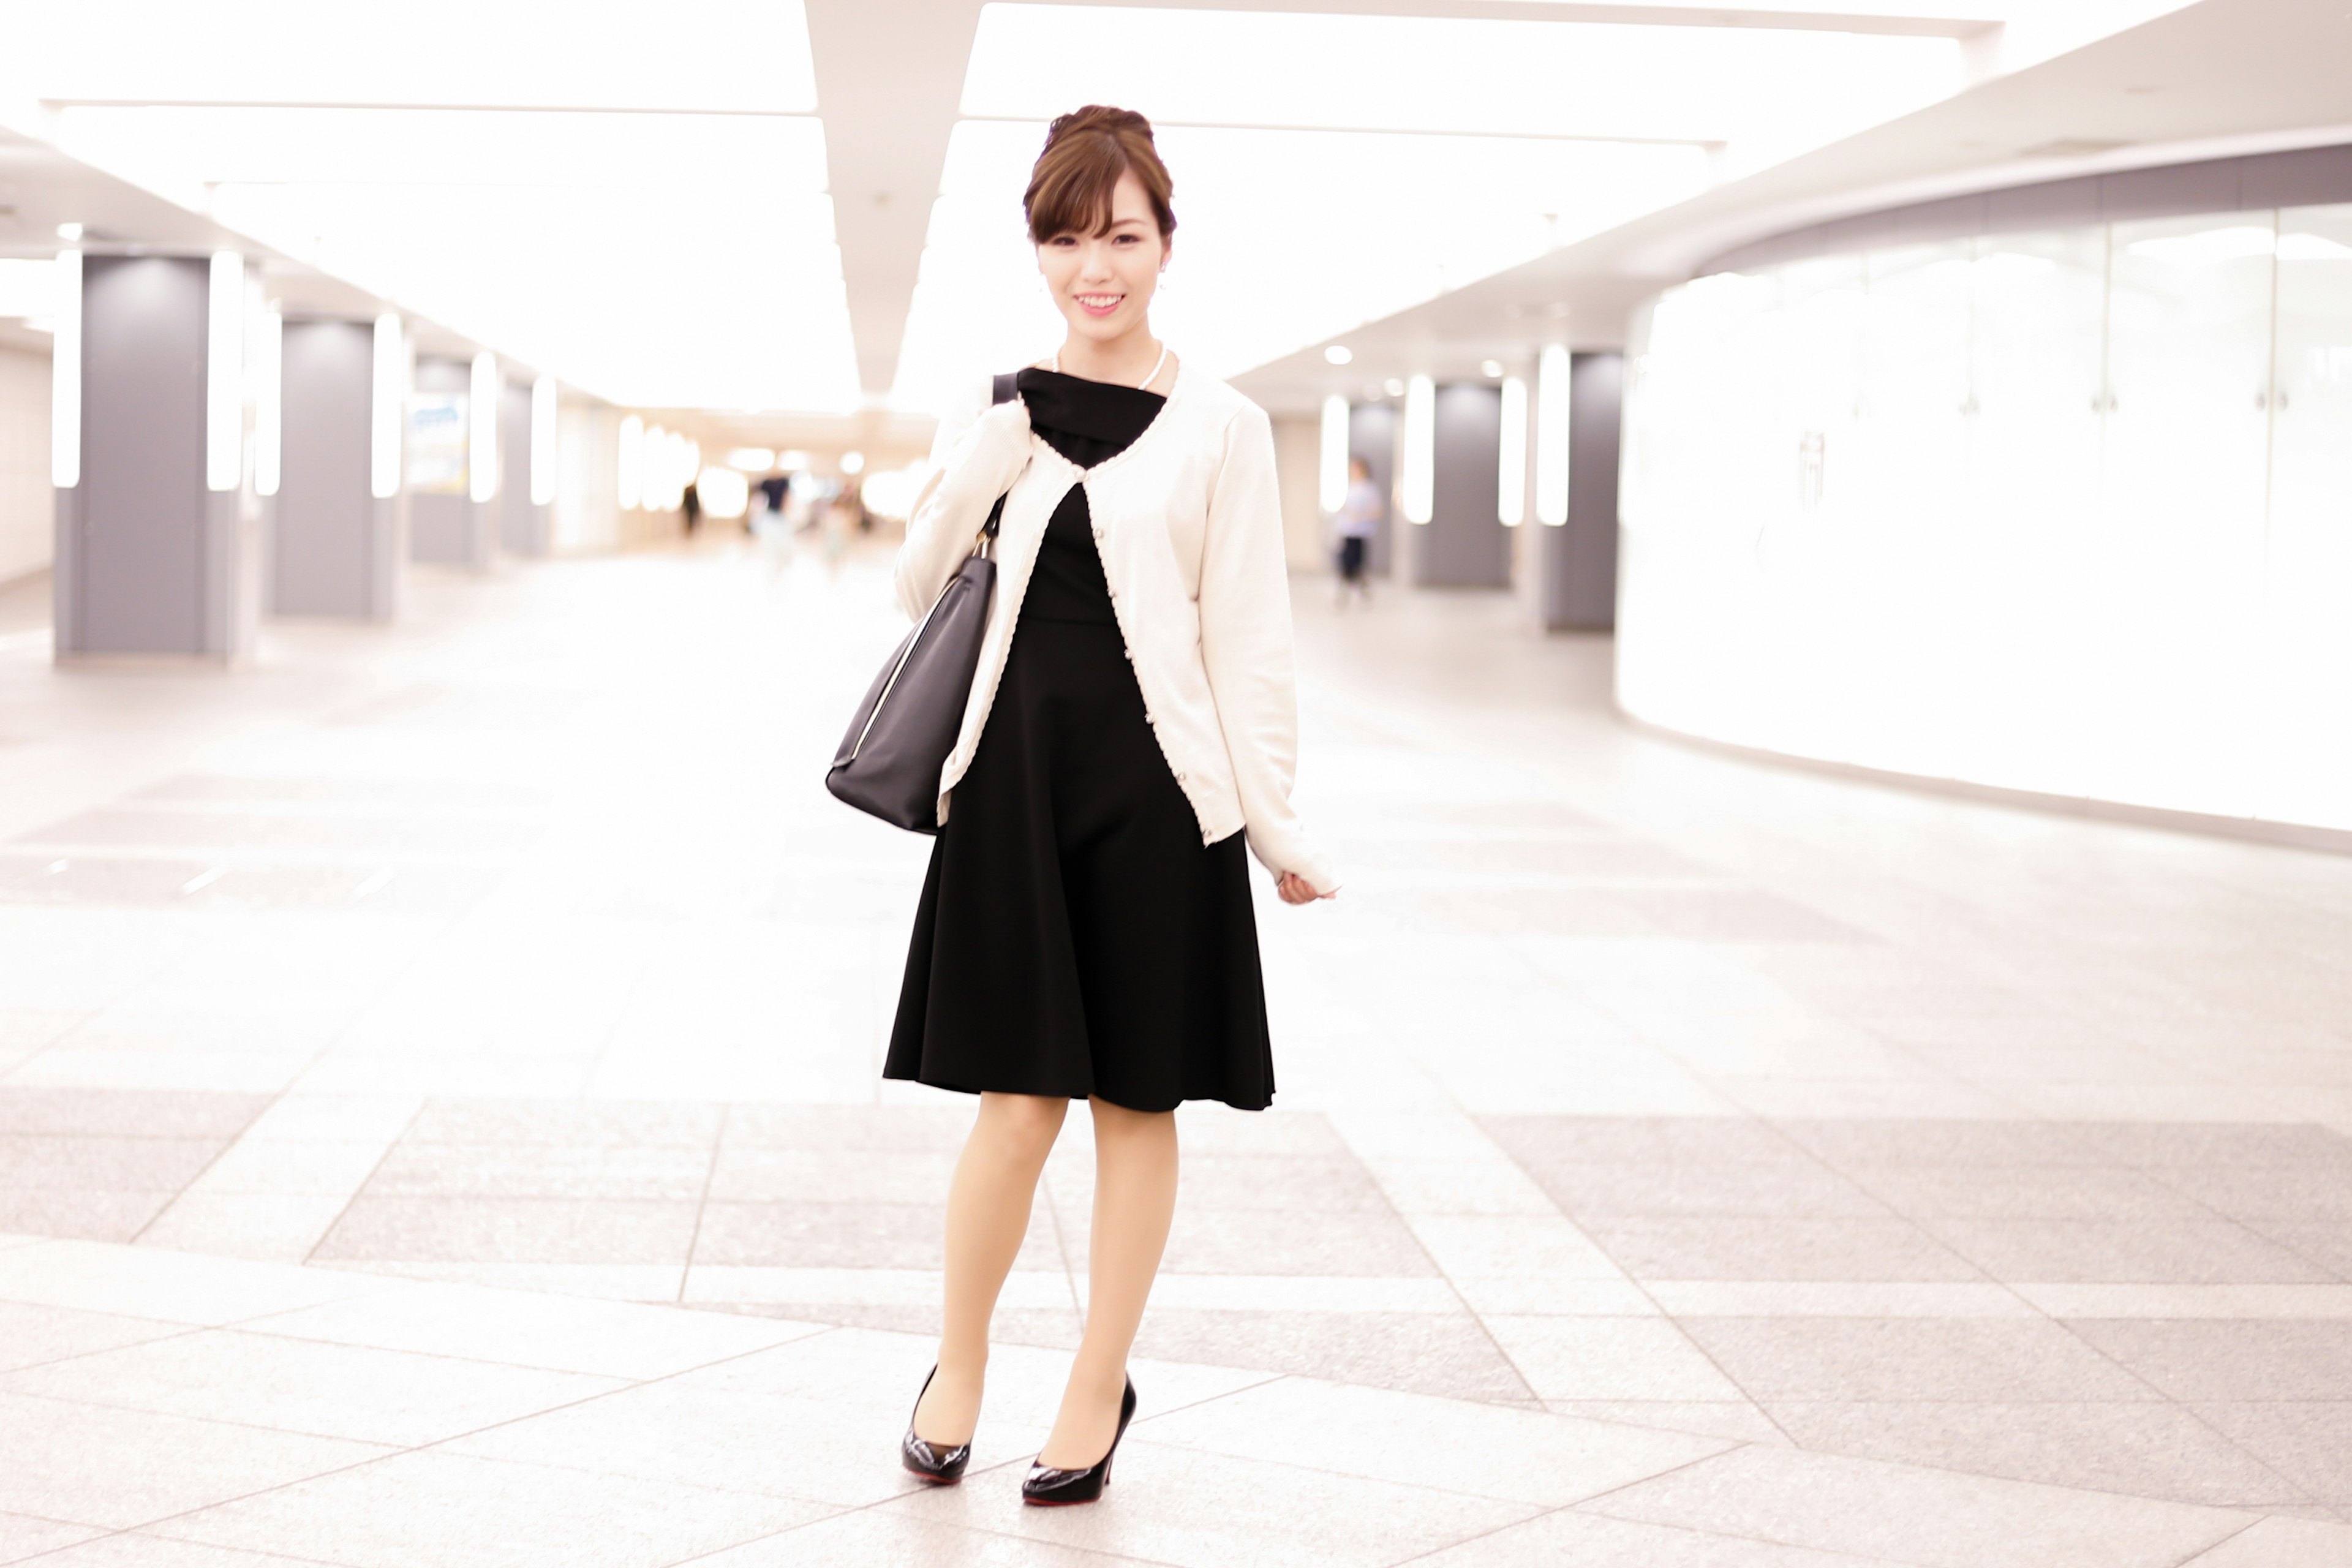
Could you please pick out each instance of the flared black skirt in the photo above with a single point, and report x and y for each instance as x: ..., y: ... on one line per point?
x: 1075, y: 937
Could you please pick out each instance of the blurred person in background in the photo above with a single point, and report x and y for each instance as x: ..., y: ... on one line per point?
x: 1086, y: 930
x: 769, y: 531
x: 1355, y: 523
x: 845, y: 515
x: 805, y: 499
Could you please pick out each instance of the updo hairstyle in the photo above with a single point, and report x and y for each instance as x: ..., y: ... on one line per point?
x: 1085, y: 153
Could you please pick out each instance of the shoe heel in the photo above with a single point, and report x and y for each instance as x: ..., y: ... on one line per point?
x: 927, y: 1461
x: 1049, y: 1488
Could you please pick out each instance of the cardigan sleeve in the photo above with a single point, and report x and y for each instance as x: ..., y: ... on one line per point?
x: 1245, y: 647
x: 976, y: 458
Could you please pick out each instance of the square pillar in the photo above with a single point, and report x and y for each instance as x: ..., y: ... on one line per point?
x: 1464, y: 543
x: 1576, y: 562
x: 526, y: 528
x: 336, y: 549
x: 446, y: 524
x: 150, y: 559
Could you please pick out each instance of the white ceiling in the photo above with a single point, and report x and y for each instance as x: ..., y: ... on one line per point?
x: 2222, y: 78
x: 1469, y: 77
x: 742, y: 205
x: 632, y: 202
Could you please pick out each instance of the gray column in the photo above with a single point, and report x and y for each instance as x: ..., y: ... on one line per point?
x: 335, y: 549
x: 149, y: 560
x: 526, y: 528
x: 1464, y: 543
x: 1579, y: 561
x: 448, y: 526
x: 1372, y: 432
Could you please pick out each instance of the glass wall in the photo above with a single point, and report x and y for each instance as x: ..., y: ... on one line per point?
x: 2067, y: 511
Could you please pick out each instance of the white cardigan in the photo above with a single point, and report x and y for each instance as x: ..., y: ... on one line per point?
x: 1188, y: 525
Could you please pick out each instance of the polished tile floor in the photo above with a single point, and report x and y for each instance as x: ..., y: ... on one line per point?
x: 438, y: 1122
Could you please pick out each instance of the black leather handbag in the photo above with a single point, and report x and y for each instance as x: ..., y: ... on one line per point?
x: 890, y: 760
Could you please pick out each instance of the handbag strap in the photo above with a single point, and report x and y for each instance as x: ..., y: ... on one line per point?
x: 1000, y: 389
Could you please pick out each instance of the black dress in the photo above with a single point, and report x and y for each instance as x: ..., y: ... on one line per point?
x: 1075, y: 936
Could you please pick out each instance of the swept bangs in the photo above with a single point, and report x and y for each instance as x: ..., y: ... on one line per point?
x: 1085, y: 153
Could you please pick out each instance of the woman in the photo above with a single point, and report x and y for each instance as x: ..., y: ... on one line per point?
x: 1085, y: 930
x: 1357, y: 521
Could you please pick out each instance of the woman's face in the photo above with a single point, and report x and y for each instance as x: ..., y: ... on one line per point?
x: 1103, y: 283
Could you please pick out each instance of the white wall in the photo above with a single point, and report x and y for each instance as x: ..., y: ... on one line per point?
x: 586, y: 519
x: 1298, y: 448
x: 27, y: 504
x: 2068, y: 511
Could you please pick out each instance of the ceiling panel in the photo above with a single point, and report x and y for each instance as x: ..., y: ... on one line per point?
x: 716, y: 55
x: 643, y: 216
x: 1779, y: 86
x: 1285, y: 237
x: 450, y: 147
x: 1331, y: 169
x: 662, y: 259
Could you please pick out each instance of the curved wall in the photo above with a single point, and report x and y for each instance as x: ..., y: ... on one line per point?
x: 2062, y: 509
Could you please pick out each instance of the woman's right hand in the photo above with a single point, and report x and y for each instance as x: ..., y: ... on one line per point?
x: 1295, y: 889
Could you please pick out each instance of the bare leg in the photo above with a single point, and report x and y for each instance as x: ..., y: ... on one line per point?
x: 988, y: 1214
x: 1135, y: 1199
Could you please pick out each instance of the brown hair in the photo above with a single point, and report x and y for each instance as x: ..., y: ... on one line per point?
x: 1087, y: 151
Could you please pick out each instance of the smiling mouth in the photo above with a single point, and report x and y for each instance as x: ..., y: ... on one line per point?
x: 1099, y: 304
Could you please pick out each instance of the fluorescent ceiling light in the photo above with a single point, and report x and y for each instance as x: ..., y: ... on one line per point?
x: 69, y: 231
x: 1417, y: 485
x: 387, y: 413
x: 1338, y: 353
x: 569, y: 241
x: 1478, y: 204
x: 1511, y: 456
x: 224, y: 375
x: 1780, y: 88
x: 65, y: 373
x: 1490, y: 368
x: 425, y: 52
x: 1332, y: 472
x: 752, y: 459
x: 1551, y: 436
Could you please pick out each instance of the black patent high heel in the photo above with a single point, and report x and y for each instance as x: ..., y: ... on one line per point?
x: 1049, y: 1488
x: 941, y: 1467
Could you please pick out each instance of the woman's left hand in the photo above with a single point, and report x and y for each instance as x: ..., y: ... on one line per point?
x: 1297, y: 890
